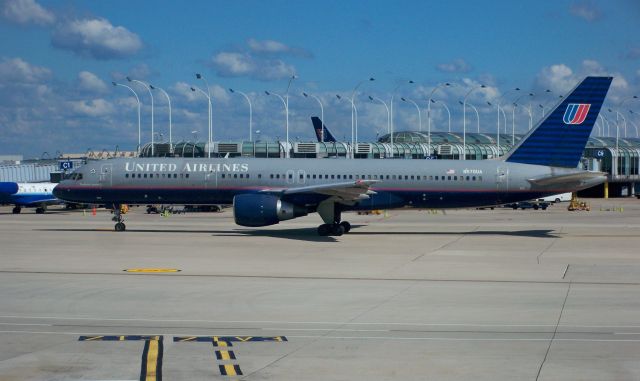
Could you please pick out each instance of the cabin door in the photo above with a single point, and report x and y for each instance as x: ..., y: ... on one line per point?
x: 106, y: 174
x: 502, y: 183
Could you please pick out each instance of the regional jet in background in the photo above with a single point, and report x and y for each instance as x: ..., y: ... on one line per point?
x: 29, y: 195
x: 266, y: 191
x: 322, y: 132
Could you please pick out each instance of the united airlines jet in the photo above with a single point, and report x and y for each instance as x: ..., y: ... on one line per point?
x: 37, y: 195
x: 266, y: 191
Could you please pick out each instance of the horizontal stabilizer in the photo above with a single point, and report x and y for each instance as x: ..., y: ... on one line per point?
x: 579, y: 178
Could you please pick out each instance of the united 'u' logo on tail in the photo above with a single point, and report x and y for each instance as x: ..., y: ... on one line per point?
x: 576, y: 113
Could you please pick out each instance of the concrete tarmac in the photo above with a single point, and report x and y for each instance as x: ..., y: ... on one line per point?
x: 407, y: 295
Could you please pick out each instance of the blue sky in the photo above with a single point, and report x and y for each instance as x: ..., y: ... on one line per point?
x: 58, y: 58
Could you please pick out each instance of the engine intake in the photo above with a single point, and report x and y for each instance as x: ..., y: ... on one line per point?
x: 263, y: 210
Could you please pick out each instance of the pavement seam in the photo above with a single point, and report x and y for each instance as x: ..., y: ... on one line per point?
x: 555, y: 331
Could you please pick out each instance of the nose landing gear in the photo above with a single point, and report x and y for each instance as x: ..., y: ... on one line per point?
x: 118, y: 211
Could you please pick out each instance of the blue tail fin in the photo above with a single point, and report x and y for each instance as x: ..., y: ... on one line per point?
x: 560, y: 139
x: 321, y: 130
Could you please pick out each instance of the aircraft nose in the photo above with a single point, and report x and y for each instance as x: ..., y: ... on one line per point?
x: 58, y: 191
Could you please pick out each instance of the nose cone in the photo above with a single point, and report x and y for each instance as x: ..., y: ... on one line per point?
x: 58, y: 191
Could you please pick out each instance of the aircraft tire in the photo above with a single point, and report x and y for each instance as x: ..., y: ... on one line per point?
x: 120, y: 227
x: 16, y: 210
x: 39, y: 210
x: 337, y: 230
x: 324, y: 230
x: 346, y: 226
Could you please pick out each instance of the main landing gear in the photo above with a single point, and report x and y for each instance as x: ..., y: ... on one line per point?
x: 16, y: 210
x: 117, y: 217
x: 331, y: 215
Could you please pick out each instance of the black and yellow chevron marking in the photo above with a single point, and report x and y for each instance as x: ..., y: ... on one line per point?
x: 118, y: 338
x: 230, y: 370
x: 151, y: 369
x: 229, y: 339
x: 225, y: 355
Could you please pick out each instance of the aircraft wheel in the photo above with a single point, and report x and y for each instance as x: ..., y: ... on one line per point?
x: 39, y: 210
x: 345, y: 226
x: 16, y: 210
x: 324, y: 230
x: 337, y: 230
x: 120, y: 227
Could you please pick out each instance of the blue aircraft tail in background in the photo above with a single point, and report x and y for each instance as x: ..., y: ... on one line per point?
x: 560, y: 138
x: 321, y: 130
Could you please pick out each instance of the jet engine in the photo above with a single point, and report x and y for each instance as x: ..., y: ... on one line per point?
x: 263, y: 209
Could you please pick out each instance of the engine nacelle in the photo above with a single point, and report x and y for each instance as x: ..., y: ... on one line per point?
x: 263, y: 209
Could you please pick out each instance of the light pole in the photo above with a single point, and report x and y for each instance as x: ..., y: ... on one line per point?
x: 617, y: 126
x: 429, y: 101
x: 150, y: 94
x: 625, y: 121
x: 604, y: 121
x: 417, y: 108
x: 393, y: 94
x: 137, y: 99
x: 464, y: 120
x: 208, y: 94
x: 388, y: 115
x: 322, y: 123
x: 169, y: 101
x: 250, y: 112
x: 633, y: 123
x: 500, y: 111
x: 477, y: 115
x: 354, y: 113
x: 293, y: 76
x: 286, y: 110
x: 513, y: 116
x: 434, y: 101
x: 209, y: 125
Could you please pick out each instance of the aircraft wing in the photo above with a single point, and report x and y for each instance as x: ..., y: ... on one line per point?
x: 568, y: 179
x: 347, y: 192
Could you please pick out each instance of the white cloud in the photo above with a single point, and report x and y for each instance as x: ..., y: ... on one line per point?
x: 558, y: 78
x: 91, y: 83
x: 267, y: 46
x: 96, y: 38
x: 585, y: 10
x: 233, y: 64
x: 17, y: 70
x: 93, y: 108
x: 456, y: 66
x: 27, y: 12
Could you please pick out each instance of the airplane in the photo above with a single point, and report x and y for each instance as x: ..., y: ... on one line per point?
x: 267, y: 191
x: 37, y: 195
x: 322, y: 132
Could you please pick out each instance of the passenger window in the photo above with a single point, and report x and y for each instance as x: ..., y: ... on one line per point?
x: 271, y: 175
x: 394, y: 177
x: 455, y: 177
x: 350, y: 177
x: 449, y: 178
x: 241, y: 176
x: 145, y: 176
x: 290, y: 176
x: 235, y: 175
x: 126, y: 175
x: 223, y: 175
x: 186, y: 176
x: 326, y: 176
x: 436, y: 178
x: 406, y: 177
x: 338, y: 176
x: 332, y: 177
x: 411, y: 177
x: 277, y: 176
x: 259, y: 176
x: 314, y: 177
x: 467, y: 178
x: 247, y: 176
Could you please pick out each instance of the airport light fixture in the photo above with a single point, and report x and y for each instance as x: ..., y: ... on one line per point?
x: 169, y: 101
x: 393, y: 93
x: 618, y: 115
x: 436, y: 101
x: 464, y: 120
x: 250, y: 112
x: 419, y: 112
x: 477, y: 115
x: 146, y: 86
x: 307, y: 95
x: 200, y: 76
x: 286, y: 110
x: 513, y: 115
x: 138, y: 100
x: 429, y: 101
x: 354, y: 113
x: 500, y: 111
x: 376, y: 99
x: 633, y: 123
x: 620, y: 107
x: 194, y: 89
x: 603, y: 121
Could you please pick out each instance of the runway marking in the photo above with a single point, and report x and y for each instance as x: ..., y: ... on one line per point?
x: 230, y: 370
x: 151, y: 368
x: 151, y: 365
x: 158, y: 270
x: 225, y: 355
x: 228, y: 339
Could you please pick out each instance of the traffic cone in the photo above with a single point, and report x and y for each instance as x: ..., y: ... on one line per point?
x: 93, y: 211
